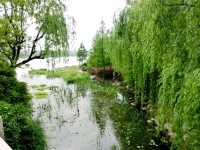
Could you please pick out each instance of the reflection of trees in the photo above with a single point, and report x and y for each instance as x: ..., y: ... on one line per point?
x: 81, y: 90
x: 131, y: 127
x: 70, y: 94
x: 64, y: 94
x: 100, y: 103
x: 129, y: 123
x: 99, y: 112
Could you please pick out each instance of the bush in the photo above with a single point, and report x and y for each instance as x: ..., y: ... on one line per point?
x: 11, y: 90
x: 21, y: 132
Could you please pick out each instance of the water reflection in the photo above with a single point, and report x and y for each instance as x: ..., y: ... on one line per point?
x: 129, y: 124
x: 89, y: 117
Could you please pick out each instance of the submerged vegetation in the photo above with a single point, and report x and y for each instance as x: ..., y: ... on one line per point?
x: 154, y: 45
x: 70, y: 74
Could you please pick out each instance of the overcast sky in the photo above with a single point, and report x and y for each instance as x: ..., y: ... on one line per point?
x: 88, y: 15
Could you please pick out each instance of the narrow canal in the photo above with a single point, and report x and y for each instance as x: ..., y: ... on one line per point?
x: 90, y: 116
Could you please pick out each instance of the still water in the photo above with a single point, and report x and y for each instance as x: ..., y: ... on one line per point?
x: 89, y: 116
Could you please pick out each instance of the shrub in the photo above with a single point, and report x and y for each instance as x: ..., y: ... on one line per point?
x: 21, y: 132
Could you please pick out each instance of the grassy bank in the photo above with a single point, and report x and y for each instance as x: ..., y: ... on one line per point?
x: 21, y: 131
x: 70, y: 74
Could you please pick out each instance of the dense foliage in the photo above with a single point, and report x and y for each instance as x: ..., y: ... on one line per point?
x: 155, y: 46
x: 99, y: 55
x: 31, y: 28
x: 11, y: 90
x: 21, y: 132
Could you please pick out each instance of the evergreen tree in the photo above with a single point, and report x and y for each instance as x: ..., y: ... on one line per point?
x: 82, y: 53
x: 99, y: 54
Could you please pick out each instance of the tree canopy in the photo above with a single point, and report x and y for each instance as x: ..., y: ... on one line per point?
x: 33, y: 27
x: 99, y: 56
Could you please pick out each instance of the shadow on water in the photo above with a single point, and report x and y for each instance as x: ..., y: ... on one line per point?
x: 89, y: 117
x: 129, y: 124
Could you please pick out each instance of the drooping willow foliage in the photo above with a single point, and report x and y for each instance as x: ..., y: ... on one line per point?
x: 155, y: 45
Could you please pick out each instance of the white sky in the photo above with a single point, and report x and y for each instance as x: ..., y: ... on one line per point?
x: 88, y: 15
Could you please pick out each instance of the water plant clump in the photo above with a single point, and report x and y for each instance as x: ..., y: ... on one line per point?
x: 39, y: 87
x: 40, y: 95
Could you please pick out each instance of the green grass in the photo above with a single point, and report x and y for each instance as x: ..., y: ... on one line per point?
x: 40, y: 95
x: 70, y: 74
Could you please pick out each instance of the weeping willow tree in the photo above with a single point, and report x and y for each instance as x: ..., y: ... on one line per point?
x: 154, y: 44
x: 33, y: 27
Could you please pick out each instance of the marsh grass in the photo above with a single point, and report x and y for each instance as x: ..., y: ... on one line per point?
x: 70, y: 74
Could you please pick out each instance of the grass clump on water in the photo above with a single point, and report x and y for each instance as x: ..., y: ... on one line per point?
x: 40, y: 87
x: 40, y: 95
x: 70, y: 74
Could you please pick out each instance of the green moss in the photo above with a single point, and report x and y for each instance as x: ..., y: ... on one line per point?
x: 70, y: 74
